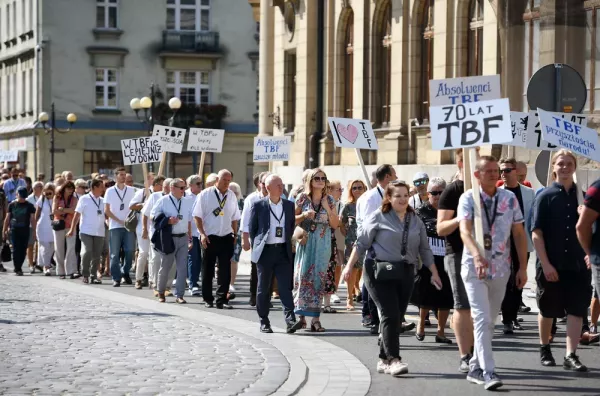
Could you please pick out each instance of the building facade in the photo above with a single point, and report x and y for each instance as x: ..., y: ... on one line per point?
x: 91, y: 57
x: 379, y: 56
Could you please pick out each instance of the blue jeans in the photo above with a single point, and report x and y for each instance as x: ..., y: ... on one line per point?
x: 194, y: 263
x: 120, y: 238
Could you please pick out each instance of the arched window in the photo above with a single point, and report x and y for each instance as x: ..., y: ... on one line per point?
x: 475, y: 40
x: 385, y: 64
x: 349, y: 65
x: 426, y: 57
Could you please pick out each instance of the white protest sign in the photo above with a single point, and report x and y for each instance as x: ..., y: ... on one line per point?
x: 535, y: 139
x: 206, y: 140
x: 464, y: 90
x: 518, y: 127
x: 271, y: 148
x: 574, y: 137
x: 9, y: 156
x: 141, y: 150
x: 171, y: 138
x: 351, y: 133
x: 470, y: 124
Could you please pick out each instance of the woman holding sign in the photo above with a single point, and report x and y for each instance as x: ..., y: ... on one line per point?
x: 316, y: 215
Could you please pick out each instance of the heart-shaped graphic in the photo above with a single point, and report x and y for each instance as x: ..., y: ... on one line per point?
x: 350, y: 133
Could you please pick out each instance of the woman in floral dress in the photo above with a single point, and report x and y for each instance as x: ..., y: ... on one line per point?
x: 316, y: 214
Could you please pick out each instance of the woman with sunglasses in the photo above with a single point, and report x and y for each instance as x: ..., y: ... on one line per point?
x: 63, y: 209
x: 425, y: 295
x: 390, y: 267
x: 45, y: 236
x: 316, y: 215
x: 348, y: 227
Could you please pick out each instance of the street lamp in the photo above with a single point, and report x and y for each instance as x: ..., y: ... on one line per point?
x: 43, y: 117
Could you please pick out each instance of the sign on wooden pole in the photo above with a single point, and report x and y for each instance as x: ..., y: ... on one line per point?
x: 205, y: 140
x: 271, y: 148
x: 171, y: 140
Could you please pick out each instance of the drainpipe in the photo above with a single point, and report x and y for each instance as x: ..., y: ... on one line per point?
x: 315, y: 138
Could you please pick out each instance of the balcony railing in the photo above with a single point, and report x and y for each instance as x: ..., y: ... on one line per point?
x: 190, y: 41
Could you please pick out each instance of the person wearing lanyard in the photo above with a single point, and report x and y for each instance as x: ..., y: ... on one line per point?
x: 89, y: 214
x: 116, y: 207
x: 486, y: 270
x: 43, y: 217
x: 216, y: 214
x: 179, y: 212
x: 11, y: 185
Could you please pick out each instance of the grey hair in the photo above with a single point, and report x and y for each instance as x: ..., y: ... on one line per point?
x: 80, y: 182
x: 237, y: 190
x: 436, y: 182
x: 264, y: 176
x: 224, y: 172
x: 168, y: 181
x: 38, y: 184
x: 212, y: 178
x: 193, y: 179
x: 174, y: 182
x: 270, y: 178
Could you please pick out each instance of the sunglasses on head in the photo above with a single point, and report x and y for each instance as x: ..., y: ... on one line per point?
x: 506, y: 170
x: 357, y: 188
x: 320, y: 178
x: 435, y: 193
x: 420, y: 182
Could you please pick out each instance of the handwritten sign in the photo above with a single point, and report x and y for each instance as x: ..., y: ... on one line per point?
x: 351, y: 133
x: 535, y: 139
x: 9, y: 155
x: 568, y: 134
x: 470, y: 124
x: 464, y: 90
x: 267, y: 149
x: 171, y: 139
x: 141, y: 150
x: 518, y: 127
x: 207, y: 140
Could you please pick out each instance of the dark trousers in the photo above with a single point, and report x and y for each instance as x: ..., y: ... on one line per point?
x: 221, y: 248
x: 514, y: 295
x: 391, y: 298
x: 78, y: 250
x: 19, y: 239
x: 194, y: 263
x: 274, y: 261
x: 254, y: 281
x: 369, y: 308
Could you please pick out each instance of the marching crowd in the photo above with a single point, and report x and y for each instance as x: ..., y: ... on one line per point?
x: 392, y: 243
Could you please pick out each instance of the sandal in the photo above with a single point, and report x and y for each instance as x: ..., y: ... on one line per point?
x: 349, y: 307
x: 316, y: 327
x: 303, y: 321
x: 442, y: 340
x: 328, y: 309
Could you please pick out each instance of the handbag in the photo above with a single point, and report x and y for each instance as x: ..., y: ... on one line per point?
x: 6, y: 254
x: 133, y: 218
x: 59, y: 225
x: 392, y: 271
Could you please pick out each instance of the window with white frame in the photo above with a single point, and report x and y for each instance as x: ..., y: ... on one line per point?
x: 192, y: 87
x: 106, y: 89
x: 188, y: 15
x: 107, y: 14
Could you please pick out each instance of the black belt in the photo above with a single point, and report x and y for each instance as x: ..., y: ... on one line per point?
x: 274, y: 245
x: 178, y: 235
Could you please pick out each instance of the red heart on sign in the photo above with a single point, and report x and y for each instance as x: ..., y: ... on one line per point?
x: 350, y: 133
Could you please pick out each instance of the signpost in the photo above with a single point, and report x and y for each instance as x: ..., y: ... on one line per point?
x: 142, y: 151
x: 205, y: 140
x: 9, y: 155
x: 271, y: 148
x: 171, y: 140
x: 356, y: 134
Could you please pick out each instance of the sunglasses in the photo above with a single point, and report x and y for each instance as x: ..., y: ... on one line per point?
x: 199, y: 183
x: 49, y: 193
x: 435, y: 193
x: 420, y: 182
x: 506, y: 170
x: 320, y: 178
x: 180, y: 187
x: 357, y: 188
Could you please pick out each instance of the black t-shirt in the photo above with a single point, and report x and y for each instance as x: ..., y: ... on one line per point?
x: 20, y: 213
x: 592, y: 201
x: 449, y: 201
x: 517, y: 192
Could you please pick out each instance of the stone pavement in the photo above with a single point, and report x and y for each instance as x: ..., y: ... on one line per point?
x: 61, y: 337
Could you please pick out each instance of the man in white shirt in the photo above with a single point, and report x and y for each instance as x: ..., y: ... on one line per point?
x: 148, y: 231
x: 116, y: 202
x: 179, y: 212
x: 89, y: 214
x: 260, y: 193
x: 194, y: 257
x: 216, y: 214
x: 136, y: 204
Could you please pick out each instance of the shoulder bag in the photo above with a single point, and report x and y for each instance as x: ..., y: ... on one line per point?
x: 392, y: 271
x: 59, y: 225
x: 132, y: 219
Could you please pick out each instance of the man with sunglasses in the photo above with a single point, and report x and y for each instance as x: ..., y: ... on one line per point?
x: 525, y: 196
x: 420, y: 181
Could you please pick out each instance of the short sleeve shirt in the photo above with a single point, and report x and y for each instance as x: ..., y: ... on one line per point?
x: 508, y: 212
x: 118, y: 199
x: 592, y: 201
x: 91, y: 210
x: 449, y: 201
x: 20, y: 213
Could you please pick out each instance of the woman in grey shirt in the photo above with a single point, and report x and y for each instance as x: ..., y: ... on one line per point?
x: 382, y: 234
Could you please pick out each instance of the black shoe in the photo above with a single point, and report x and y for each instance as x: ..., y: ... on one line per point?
x: 265, y: 328
x: 367, y: 321
x: 508, y: 329
x: 95, y: 281
x: 39, y: 268
x: 145, y: 280
x: 19, y: 273
x: 293, y: 326
x: 252, y: 301
x: 420, y: 337
x: 572, y: 362
x: 442, y: 340
x: 224, y: 306
x: 407, y: 327
x: 524, y: 309
x: 270, y: 304
x: 427, y: 322
x: 520, y: 319
x: 517, y: 326
x: 546, y: 356
x: 127, y: 280
x: 31, y: 270
x: 358, y: 298
x: 116, y: 284
x: 209, y: 305
x: 374, y: 329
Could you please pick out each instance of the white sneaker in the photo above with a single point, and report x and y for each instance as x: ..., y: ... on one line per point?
x: 398, y: 368
x: 231, y: 289
x: 174, y: 283
x: 335, y: 299
x: 195, y: 291
x: 382, y: 366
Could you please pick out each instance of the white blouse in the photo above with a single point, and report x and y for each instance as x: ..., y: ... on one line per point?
x: 43, y: 228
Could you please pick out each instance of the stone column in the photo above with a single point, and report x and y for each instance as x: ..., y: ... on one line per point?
x: 265, y: 74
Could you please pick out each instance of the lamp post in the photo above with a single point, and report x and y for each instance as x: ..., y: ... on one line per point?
x: 43, y: 118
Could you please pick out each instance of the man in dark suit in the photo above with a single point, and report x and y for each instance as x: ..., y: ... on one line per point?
x: 272, y: 223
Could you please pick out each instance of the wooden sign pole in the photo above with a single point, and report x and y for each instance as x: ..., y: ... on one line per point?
x: 467, y: 168
x: 477, y: 220
x: 550, y: 178
x: 363, y: 168
x: 145, y: 173
x: 163, y: 160
x: 201, y: 166
x: 578, y: 182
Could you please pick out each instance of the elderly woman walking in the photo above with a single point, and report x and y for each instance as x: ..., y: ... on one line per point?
x: 316, y: 215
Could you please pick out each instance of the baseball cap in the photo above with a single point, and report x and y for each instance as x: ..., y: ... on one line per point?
x: 420, y: 176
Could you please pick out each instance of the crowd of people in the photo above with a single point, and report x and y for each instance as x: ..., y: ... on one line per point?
x: 392, y: 243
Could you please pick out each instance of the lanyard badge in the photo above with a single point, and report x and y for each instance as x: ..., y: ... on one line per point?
x: 219, y: 211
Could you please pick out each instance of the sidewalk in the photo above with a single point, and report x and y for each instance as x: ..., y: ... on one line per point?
x: 68, y: 338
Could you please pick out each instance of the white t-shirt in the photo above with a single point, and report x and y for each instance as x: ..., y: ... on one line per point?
x: 91, y: 210
x: 43, y: 228
x: 192, y: 197
x: 172, y: 207
x: 119, y: 204
x: 147, y: 209
x: 137, y: 199
x: 215, y: 221
x: 32, y: 199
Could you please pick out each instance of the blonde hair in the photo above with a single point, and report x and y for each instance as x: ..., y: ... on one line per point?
x: 309, y: 179
x: 349, y: 196
x: 562, y: 153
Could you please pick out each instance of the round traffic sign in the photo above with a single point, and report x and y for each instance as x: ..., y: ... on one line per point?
x: 557, y: 87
